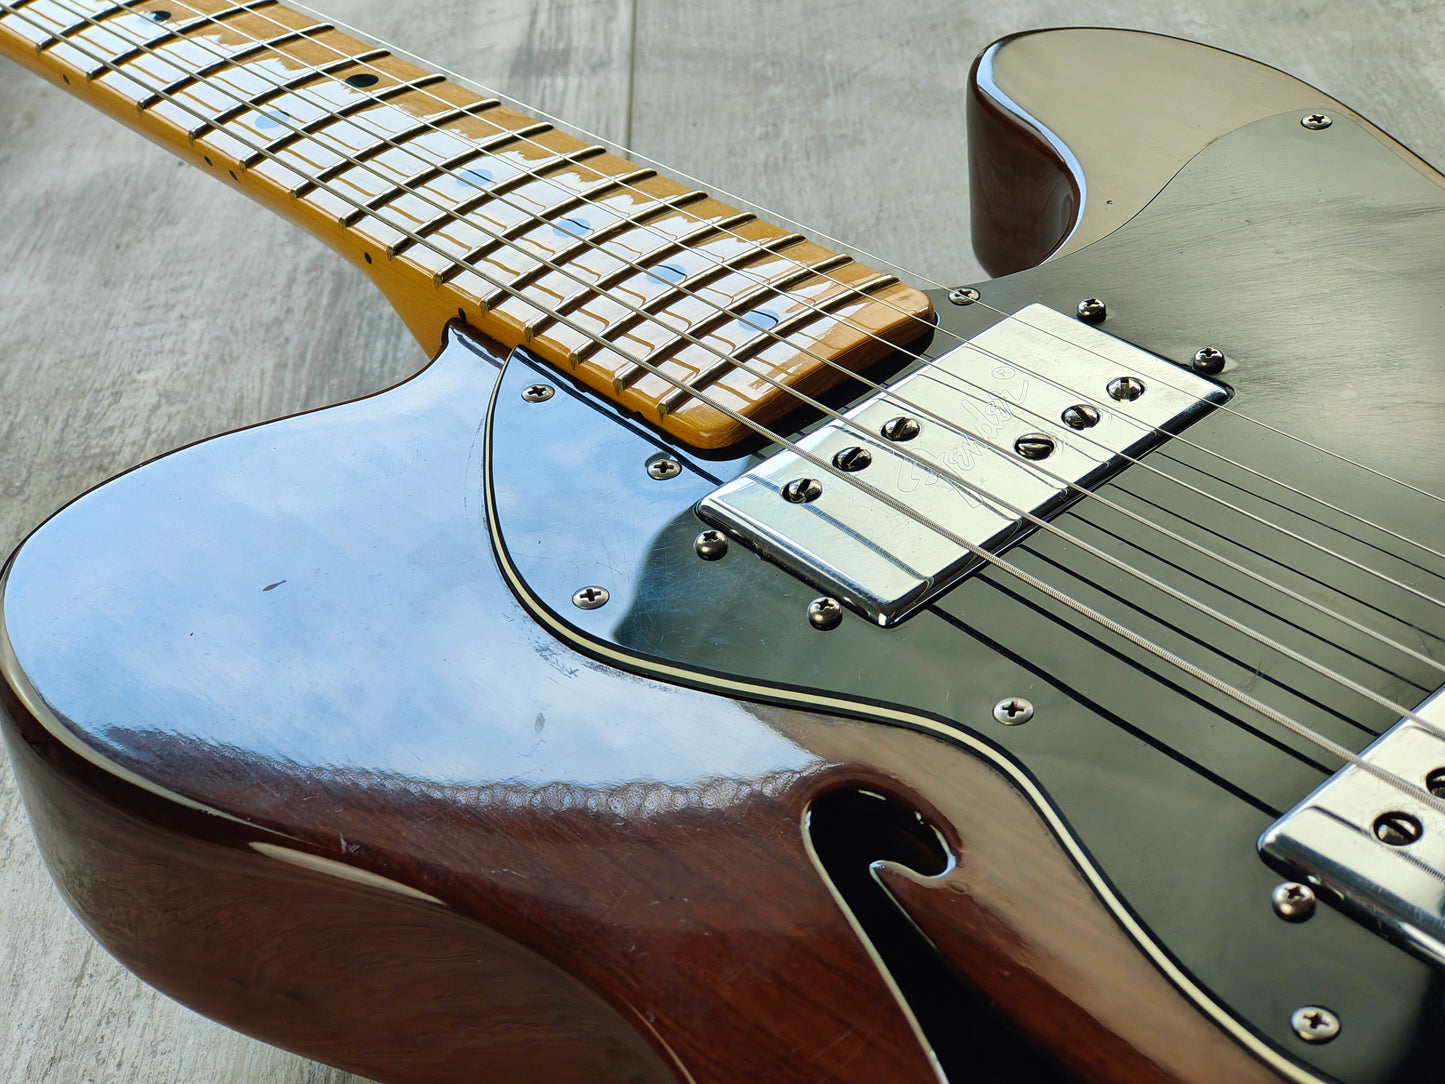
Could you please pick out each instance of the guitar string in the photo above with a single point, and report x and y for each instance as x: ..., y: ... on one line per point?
x: 1369, y: 632
x: 397, y: 190
x: 634, y: 155
x: 1083, y: 609
x: 297, y: 92
x: 1265, y: 581
x: 327, y: 108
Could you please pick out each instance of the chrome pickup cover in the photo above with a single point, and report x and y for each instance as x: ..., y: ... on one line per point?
x: 1330, y: 839
x: 884, y: 539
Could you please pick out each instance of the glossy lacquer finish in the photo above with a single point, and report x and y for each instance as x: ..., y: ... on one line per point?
x: 296, y: 756
x: 1164, y: 783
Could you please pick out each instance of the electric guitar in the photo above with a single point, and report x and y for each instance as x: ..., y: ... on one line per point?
x: 637, y: 693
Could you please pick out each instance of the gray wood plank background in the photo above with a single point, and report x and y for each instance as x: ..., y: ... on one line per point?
x: 143, y: 306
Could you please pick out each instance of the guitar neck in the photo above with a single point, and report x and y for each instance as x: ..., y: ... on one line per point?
x: 673, y: 304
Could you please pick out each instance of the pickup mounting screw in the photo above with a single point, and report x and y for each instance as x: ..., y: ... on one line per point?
x: 825, y: 613
x: 1397, y: 829
x: 802, y: 490
x: 1314, y: 1024
x: 1207, y: 360
x: 1035, y: 446
x: 537, y: 393
x: 1293, y: 901
x: 711, y: 545
x: 1013, y: 711
x: 1316, y: 122
x: 1080, y: 416
x: 964, y: 295
x: 1125, y: 388
x: 1435, y: 782
x: 901, y: 428
x: 663, y: 466
x: 853, y: 458
x: 1092, y: 310
x: 590, y: 598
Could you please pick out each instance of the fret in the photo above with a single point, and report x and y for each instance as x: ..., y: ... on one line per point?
x: 534, y: 173
x: 549, y: 217
x: 592, y: 242
x: 167, y: 34
x: 277, y: 90
x: 535, y: 244
x: 682, y: 242
x: 744, y: 301
x: 312, y: 127
x: 85, y: 23
x: 778, y: 333
x: 686, y: 287
x: 429, y: 124
x: 241, y: 56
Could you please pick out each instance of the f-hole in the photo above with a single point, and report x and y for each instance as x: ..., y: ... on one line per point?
x: 975, y: 1043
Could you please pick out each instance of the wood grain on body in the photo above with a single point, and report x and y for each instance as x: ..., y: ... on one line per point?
x: 144, y: 306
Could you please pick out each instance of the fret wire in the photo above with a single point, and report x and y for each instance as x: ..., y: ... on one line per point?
x: 1082, y: 609
x: 832, y: 364
x: 467, y: 206
x: 279, y: 89
x: 548, y: 215
x: 403, y: 138
x: 681, y: 242
x: 85, y: 23
x: 310, y: 128
x: 179, y: 31
x: 741, y: 302
x: 678, y: 397
x: 593, y: 240
x: 234, y: 60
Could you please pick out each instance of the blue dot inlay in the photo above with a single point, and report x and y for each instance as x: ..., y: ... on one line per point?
x: 571, y: 228
x: 667, y: 273
x: 762, y: 320
x: 274, y: 119
x: 475, y: 178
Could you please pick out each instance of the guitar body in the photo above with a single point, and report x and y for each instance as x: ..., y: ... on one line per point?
x: 315, y: 739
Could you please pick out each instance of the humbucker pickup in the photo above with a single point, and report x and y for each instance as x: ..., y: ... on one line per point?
x: 889, y: 505
x: 1372, y: 844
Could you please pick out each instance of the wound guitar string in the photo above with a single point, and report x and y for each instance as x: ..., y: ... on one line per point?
x: 1006, y: 566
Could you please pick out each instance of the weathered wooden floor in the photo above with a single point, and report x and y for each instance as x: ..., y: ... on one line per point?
x: 143, y: 306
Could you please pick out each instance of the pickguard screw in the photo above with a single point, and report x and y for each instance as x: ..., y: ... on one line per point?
x: 1293, y: 901
x: 662, y: 466
x: 1397, y: 829
x: 901, y: 428
x: 1125, y: 388
x: 711, y: 545
x: 825, y: 613
x: 1316, y: 122
x: 852, y: 459
x: 1207, y: 360
x: 1314, y: 1024
x: 1014, y: 711
x: 537, y: 393
x: 1035, y: 446
x: 590, y: 598
x: 964, y: 295
x: 1091, y: 310
x: 1080, y: 416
